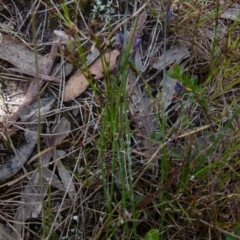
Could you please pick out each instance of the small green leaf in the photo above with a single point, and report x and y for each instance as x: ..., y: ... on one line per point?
x: 228, y: 237
x: 154, y: 136
x: 139, y: 199
x: 153, y: 11
x: 237, y: 230
x: 153, y: 234
x: 176, y: 155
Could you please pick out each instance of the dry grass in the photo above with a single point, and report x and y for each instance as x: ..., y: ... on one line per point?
x: 103, y: 154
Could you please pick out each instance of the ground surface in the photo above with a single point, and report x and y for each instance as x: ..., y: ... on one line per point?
x: 140, y: 144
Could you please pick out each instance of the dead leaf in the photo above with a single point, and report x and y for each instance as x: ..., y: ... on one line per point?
x: 78, y: 83
x: 97, y: 68
x: 33, y: 193
x: 138, y: 60
x: 66, y: 39
x: 67, y: 181
x: 52, y: 178
x: 18, y: 54
x: 21, y: 56
x: 93, y: 55
x: 173, y: 55
x: 140, y: 106
x: 31, y: 199
x: 5, y: 233
x: 59, y: 132
x: 170, y: 91
x: 15, y: 163
x: 145, y: 201
x: 232, y: 13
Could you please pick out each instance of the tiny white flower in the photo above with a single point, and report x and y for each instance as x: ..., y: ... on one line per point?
x: 192, y: 177
x: 75, y: 218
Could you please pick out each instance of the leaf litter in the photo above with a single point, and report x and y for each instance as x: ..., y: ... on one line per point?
x: 143, y: 111
x: 32, y: 202
x: 29, y: 116
x: 22, y: 56
x: 33, y: 193
x: 78, y: 83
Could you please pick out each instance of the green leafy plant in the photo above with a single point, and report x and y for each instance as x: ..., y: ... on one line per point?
x: 153, y: 234
x: 236, y: 232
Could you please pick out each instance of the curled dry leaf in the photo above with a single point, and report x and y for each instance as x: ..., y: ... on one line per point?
x: 78, y: 83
